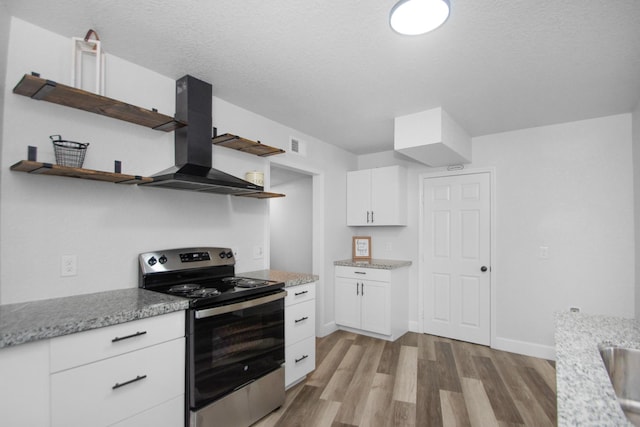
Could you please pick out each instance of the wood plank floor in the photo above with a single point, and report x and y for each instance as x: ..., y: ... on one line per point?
x: 418, y: 380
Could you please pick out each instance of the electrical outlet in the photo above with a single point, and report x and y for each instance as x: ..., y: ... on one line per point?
x: 543, y: 252
x: 68, y: 265
x: 574, y: 309
x: 257, y: 252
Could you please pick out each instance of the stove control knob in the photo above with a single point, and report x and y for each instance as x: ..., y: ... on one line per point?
x: 223, y: 255
x: 229, y: 254
x: 152, y: 261
x: 163, y: 259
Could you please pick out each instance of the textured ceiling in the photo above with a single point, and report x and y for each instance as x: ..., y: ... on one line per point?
x: 334, y: 70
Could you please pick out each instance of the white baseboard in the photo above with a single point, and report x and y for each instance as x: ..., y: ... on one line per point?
x: 526, y: 348
x: 414, y: 326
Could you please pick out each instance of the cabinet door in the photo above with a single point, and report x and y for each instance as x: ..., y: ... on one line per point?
x: 358, y: 197
x: 24, y: 379
x: 347, y: 302
x: 375, y: 307
x: 388, y: 196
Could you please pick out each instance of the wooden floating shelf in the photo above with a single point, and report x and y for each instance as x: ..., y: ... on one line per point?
x: 40, y: 168
x: 47, y: 90
x: 261, y: 195
x: 245, y: 145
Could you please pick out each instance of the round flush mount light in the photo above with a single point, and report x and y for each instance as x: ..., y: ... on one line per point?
x: 415, y: 17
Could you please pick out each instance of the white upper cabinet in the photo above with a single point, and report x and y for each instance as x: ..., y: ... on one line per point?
x: 377, y: 197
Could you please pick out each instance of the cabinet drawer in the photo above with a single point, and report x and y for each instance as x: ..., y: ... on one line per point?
x: 300, y: 321
x: 85, y: 396
x: 300, y: 293
x: 377, y: 274
x: 168, y: 414
x: 86, y: 347
x: 300, y: 359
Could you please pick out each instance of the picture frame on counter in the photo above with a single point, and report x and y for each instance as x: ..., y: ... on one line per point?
x: 361, y: 248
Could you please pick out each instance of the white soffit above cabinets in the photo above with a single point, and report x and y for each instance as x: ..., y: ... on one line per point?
x: 432, y: 137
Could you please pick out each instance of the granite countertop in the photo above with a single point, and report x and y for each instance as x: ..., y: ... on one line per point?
x: 35, y: 320
x: 383, y: 264
x: 584, y: 390
x: 289, y: 278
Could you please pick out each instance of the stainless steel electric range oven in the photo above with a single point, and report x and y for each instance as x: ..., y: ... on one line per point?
x: 234, y: 334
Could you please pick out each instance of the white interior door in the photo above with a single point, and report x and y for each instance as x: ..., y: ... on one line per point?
x: 457, y: 257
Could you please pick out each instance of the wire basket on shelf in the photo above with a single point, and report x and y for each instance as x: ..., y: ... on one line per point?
x: 68, y: 153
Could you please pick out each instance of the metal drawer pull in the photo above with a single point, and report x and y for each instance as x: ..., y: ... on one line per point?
x: 360, y: 272
x: 302, y: 358
x: 301, y: 293
x: 302, y: 319
x: 138, y: 378
x: 137, y: 334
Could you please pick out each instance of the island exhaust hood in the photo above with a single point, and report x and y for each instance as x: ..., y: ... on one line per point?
x: 193, y: 147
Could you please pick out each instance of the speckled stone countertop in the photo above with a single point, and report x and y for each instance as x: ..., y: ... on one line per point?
x: 585, y: 394
x: 383, y: 264
x: 35, y: 320
x: 289, y: 278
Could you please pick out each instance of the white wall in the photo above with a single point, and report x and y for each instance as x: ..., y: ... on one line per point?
x: 636, y: 191
x: 568, y: 187
x: 291, y: 220
x: 106, y: 225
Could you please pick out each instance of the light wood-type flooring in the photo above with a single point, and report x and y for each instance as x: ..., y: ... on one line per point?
x: 418, y: 380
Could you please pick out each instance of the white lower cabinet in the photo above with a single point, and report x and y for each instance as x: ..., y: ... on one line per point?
x: 373, y: 301
x: 300, y: 341
x: 126, y: 375
x: 104, y: 392
x: 108, y: 375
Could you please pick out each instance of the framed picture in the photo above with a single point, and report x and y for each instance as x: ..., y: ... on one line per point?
x: 361, y: 248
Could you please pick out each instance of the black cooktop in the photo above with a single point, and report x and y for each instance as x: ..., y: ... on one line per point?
x: 204, y: 275
x: 221, y: 290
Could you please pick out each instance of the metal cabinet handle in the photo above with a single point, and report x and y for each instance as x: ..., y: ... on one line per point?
x: 372, y: 217
x: 367, y: 217
x: 360, y: 272
x: 357, y: 288
x: 138, y: 378
x: 301, y: 319
x: 137, y: 334
x: 302, y: 358
x: 300, y: 293
x: 362, y: 289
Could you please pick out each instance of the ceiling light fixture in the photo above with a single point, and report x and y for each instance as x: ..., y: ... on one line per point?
x: 415, y: 17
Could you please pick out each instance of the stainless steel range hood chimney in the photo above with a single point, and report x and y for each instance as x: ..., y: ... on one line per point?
x: 193, y: 147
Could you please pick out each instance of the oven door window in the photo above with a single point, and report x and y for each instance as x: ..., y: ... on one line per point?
x: 232, y: 349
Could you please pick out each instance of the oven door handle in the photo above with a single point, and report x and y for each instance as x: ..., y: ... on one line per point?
x: 208, y: 312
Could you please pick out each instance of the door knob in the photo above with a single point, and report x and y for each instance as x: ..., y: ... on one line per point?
x: 483, y: 268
